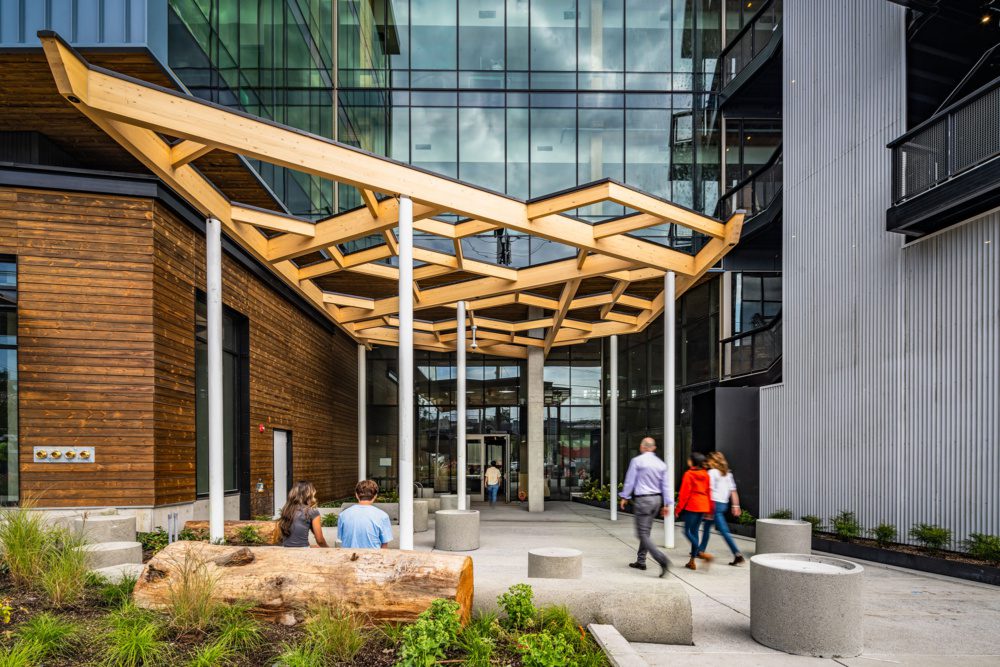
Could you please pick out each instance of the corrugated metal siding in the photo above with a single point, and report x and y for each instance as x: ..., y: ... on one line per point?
x: 890, y: 400
x: 84, y: 23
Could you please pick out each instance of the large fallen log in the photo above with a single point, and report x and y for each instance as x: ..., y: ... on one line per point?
x: 282, y: 584
x: 268, y: 531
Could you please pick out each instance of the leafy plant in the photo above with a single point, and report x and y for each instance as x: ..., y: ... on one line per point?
x: 884, y: 534
x: 931, y: 535
x: 48, y: 634
x: 388, y: 496
x: 63, y: 578
x: 301, y: 655
x: 5, y: 611
x: 845, y: 525
x: 248, y: 535
x: 21, y: 654
x: 153, y: 541
x: 746, y: 519
x: 556, y: 620
x: 434, y: 632
x: 517, y: 603
x: 477, y: 640
x: 816, y: 522
x: 24, y: 537
x: 329, y: 520
x: 135, y: 639
x: 117, y: 594
x: 212, y: 655
x: 190, y: 604
x: 983, y: 546
x: 544, y: 650
x: 237, y: 629
x: 263, y: 517
x: 336, y: 632
x: 190, y: 535
x: 393, y: 632
x: 783, y: 513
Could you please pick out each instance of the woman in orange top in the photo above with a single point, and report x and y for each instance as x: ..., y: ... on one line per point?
x: 694, y: 502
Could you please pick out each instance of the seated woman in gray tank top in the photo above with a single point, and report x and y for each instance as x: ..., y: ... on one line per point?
x: 299, y: 517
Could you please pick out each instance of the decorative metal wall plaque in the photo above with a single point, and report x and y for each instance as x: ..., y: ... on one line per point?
x: 63, y: 455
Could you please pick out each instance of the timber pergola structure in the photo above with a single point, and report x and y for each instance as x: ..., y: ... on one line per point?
x: 612, y: 282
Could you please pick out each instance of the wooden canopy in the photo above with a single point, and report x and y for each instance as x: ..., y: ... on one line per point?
x: 612, y: 286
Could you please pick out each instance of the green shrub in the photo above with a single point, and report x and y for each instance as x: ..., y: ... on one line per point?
x: 816, y: 522
x: 884, y: 534
x: 434, y: 632
x: 746, y: 519
x: 544, y: 650
x: 302, y: 655
x: 248, y: 535
x: 24, y: 538
x: 986, y: 547
x: 21, y: 654
x: 212, y: 655
x: 263, y: 517
x: 336, y: 633
x: 135, y: 639
x: 63, y: 578
x: 189, y: 535
x: 846, y: 525
x: 931, y: 535
x: 477, y: 640
x: 388, y: 497
x: 329, y: 521
x: 237, y: 629
x: 518, y: 606
x: 117, y: 594
x: 556, y: 620
x: 783, y: 513
x: 190, y: 605
x: 153, y: 541
x: 48, y: 634
x: 393, y: 632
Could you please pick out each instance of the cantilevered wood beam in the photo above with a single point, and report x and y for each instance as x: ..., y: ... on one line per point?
x: 568, y: 292
x: 348, y: 300
x: 273, y: 221
x: 616, y: 293
x: 370, y: 200
x: 184, y: 152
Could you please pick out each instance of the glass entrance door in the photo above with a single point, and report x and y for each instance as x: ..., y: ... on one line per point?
x: 496, y: 454
x: 481, y: 450
x: 474, y: 466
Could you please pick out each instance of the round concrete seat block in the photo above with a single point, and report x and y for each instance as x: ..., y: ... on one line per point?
x: 421, y: 508
x: 426, y: 492
x: 807, y: 605
x: 555, y: 563
x: 433, y: 505
x: 449, y: 501
x: 105, y: 528
x: 107, y: 554
x: 783, y: 536
x: 456, y: 530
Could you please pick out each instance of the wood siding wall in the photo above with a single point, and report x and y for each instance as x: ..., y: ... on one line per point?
x: 106, y: 294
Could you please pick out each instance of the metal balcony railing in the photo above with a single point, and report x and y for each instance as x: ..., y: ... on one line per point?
x: 752, y: 351
x: 750, y: 41
x: 755, y: 192
x: 951, y: 142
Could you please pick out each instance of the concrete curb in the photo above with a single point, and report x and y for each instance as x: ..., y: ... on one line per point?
x: 619, y: 652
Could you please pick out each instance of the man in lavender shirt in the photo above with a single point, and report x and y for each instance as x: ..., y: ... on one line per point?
x: 647, y: 486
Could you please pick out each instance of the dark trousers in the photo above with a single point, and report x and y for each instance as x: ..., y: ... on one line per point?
x: 692, y: 522
x: 646, y: 508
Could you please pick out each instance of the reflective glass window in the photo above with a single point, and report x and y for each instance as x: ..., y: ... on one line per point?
x: 601, y: 35
x: 9, y: 467
x: 647, y: 36
x: 553, y: 150
x: 433, y: 139
x: 481, y: 35
x: 481, y: 136
x: 553, y: 36
x: 433, y: 34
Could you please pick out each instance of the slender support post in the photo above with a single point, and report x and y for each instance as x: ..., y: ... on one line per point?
x: 461, y: 467
x: 213, y: 303
x: 669, y: 390
x: 362, y: 415
x: 613, y: 430
x: 405, y: 374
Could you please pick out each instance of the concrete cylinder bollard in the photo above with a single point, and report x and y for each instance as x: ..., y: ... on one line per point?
x: 783, y: 536
x: 456, y: 530
x: 555, y: 563
x: 433, y: 505
x: 807, y: 605
x: 420, y: 512
x: 449, y: 501
x: 427, y: 492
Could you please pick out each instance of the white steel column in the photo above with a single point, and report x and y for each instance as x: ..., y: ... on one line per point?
x: 613, y: 430
x: 669, y: 391
x: 460, y: 468
x: 405, y: 373
x: 362, y: 415
x: 213, y: 302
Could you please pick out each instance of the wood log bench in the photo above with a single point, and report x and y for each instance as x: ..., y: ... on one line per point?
x: 269, y: 531
x: 380, y: 585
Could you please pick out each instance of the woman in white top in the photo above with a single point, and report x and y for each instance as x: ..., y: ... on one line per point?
x: 723, y: 492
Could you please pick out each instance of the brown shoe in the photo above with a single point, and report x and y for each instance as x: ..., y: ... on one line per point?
x: 704, y: 555
x: 691, y: 565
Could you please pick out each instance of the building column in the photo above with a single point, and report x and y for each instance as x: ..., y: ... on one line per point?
x: 536, y: 429
x: 461, y: 468
x: 362, y: 414
x: 213, y: 303
x: 613, y: 429
x: 405, y: 373
x: 669, y: 390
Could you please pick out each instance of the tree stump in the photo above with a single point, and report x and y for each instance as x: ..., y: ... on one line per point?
x: 380, y: 585
x: 269, y: 531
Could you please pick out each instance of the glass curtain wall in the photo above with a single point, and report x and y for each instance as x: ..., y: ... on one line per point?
x: 9, y: 478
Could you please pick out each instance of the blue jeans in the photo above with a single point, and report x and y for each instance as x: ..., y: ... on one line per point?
x: 719, y: 519
x: 692, y: 522
x: 491, y: 493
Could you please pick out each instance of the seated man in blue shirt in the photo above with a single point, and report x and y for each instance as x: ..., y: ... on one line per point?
x: 364, y: 526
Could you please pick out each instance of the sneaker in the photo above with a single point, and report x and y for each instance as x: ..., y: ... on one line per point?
x: 691, y: 565
x: 664, y: 569
x: 737, y: 559
x: 704, y: 555
x: 638, y: 566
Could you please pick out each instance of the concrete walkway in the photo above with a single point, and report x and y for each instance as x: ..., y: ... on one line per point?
x: 911, y: 618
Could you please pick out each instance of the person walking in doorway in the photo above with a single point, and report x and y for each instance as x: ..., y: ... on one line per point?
x: 693, y: 502
x: 493, y: 476
x: 723, y: 493
x: 648, y: 487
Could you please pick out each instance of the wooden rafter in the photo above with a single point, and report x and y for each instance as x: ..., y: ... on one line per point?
x: 568, y: 292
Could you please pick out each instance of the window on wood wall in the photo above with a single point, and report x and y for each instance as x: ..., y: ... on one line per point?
x: 9, y: 494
